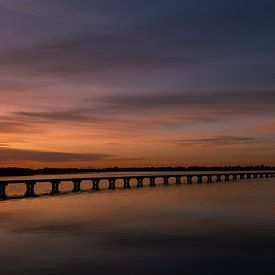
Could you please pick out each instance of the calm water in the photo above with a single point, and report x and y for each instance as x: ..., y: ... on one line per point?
x: 226, y: 228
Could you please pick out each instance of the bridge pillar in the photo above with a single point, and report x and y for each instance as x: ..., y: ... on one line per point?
x: 76, y: 185
x: 139, y: 182
x: 235, y: 176
x: 95, y: 183
x: 178, y: 179
x: 30, y: 189
x: 55, y: 186
x: 272, y: 175
x: 166, y: 180
x: 189, y: 179
x: 199, y: 179
x: 248, y: 176
x: 152, y: 181
x: 112, y: 184
x: 219, y: 179
x: 209, y: 178
x: 255, y: 175
x: 126, y: 182
x: 226, y: 177
x: 261, y: 175
x: 241, y: 176
x: 267, y: 175
x: 3, y: 194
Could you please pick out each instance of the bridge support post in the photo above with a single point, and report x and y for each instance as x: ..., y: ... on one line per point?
x: 261, y: 175
x: 272, y: 175
x: 178, y: 179
x: 189, y: 179
x: 76, y: 185
x: 166, y: 180
x: 112, y: 184
x: 226, y: 177
x: 199, y: 179
x: 241, y: 176
x: 126, y: 182
x: 209, y: 178
x: 267, y: 175
x: 95, y: 186
x: 55, y: 186
x: 248, y: 176
x: 235, y: 176
x: 152, y: 181
x: 219, y: 179
x: 139, y: 182
x: 3, y: 194
x: 30, y: 189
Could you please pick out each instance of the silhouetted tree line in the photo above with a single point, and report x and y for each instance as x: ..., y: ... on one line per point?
x: 13, y: 171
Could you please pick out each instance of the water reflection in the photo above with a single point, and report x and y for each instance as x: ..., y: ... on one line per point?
x: 224, y: 228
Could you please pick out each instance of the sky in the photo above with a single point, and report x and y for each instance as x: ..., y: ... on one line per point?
x: 105, y: 83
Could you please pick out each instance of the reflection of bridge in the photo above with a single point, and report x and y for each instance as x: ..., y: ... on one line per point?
x: 128, y: 180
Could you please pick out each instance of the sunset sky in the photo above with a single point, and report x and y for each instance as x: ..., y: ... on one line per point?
x: 137, y: 82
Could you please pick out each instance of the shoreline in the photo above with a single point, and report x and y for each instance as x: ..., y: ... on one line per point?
x: 17, y: 172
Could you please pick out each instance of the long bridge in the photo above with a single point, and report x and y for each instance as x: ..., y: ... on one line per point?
x: 138, y: 180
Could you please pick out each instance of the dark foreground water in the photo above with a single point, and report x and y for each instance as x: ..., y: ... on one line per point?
x: 226, y: 228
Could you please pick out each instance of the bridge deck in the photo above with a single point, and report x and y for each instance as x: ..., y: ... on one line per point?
x: 55, y: 182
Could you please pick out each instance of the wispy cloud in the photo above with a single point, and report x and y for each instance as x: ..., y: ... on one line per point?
x: 91, y: 58
x: 215, y: 141
x: 143, y: 113
x: 3, y: 144
x: 7, y: 154
x: 57, y: 10
x: 12, y: 125
x: 233, y: 102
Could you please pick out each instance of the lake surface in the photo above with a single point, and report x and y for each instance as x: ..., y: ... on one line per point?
x: 218, y: 228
